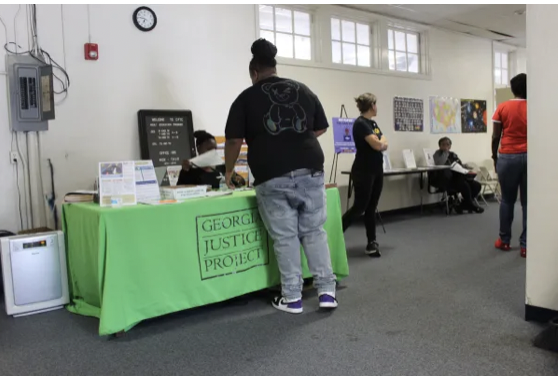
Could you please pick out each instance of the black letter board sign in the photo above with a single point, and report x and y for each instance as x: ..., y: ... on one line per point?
x: 166, y: 136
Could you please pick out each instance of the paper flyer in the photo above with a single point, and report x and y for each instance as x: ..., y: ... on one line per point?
x: 387, y: 162
x: 429, y: 157
x: 409, y: 158
x: 343, y: 135
x: 147, y: 186
x: 117, y: 183
x: 208, y: 159
x: 173, y: 173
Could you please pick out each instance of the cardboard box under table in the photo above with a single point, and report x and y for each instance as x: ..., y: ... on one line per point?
x: 129, y: 264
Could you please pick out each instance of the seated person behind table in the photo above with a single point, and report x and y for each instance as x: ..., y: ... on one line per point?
x: 455, y: 181
x: 191, y: 175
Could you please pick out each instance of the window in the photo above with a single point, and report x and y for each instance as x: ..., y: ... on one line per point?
x: 288, y: 29
x: 350, y: 43
x: 501, y: 75
x: 403, y: 50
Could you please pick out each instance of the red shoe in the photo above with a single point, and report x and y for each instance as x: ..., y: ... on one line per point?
x: 501, y: 245
x: 523, y: 252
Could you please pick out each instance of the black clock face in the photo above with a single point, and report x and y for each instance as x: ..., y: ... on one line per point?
x: 145, y: 19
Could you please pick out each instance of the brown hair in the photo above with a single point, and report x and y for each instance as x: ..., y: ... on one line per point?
x: 365, y: 102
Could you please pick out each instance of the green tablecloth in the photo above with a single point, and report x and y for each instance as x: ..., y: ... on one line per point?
x: 133, y: 263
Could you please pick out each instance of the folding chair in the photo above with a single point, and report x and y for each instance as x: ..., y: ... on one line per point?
x: 473, y: 166
x: 489, y: 185
x: 450, y: 199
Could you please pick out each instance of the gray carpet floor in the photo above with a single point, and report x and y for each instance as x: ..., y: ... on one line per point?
x: 441, y: 301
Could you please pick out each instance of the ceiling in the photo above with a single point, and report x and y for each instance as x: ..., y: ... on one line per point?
x: 500, y: 22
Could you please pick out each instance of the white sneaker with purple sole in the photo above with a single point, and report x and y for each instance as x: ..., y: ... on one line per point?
x: 282, y: 304
x: 328, y: 301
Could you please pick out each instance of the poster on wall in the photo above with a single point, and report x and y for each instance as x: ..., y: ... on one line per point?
x: 343, y: 135
x: 473, y: 116
x: 408, y: 114
x: 241, y: 167
x: 444, y: 115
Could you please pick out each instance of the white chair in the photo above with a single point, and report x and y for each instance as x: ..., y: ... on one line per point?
x: 473, y: 166
x: 489, y: 184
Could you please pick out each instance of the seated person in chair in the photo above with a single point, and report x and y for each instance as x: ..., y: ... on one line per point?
x: 455, y: 181
x: 191, y: 175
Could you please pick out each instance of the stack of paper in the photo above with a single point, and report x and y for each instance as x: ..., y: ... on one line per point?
x: 80, y: 196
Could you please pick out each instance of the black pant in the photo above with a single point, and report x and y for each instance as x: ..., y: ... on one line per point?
x: 467, y: 186
x: 368, y: 188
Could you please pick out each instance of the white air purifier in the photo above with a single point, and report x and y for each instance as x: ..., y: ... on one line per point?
x: 35, y: 273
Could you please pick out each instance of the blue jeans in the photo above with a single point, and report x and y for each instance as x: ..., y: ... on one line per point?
x: 293, y: 209
x: 512, y: 174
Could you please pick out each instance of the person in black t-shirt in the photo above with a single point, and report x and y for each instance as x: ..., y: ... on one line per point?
x: 281, y: 119
x: 191, y: 175
x: 455, y: 181
x: 368, y: 171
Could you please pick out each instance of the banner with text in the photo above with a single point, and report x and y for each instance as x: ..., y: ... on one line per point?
x: 230, y: 243
x: 343, y: 135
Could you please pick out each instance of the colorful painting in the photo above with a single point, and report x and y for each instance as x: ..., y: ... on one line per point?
x: 408, y: 114
x: 444, y: 115
x: 473, y: 116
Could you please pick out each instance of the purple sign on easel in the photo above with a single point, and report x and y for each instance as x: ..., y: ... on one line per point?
x: 343, y: 135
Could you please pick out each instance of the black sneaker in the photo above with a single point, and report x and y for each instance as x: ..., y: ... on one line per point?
x: 373, y: 250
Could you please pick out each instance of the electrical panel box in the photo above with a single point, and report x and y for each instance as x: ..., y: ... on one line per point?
x: 31, y: 93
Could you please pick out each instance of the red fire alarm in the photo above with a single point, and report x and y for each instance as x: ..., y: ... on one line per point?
x: 91, y: 51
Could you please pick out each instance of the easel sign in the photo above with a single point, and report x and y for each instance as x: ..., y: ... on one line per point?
x: 343, y: 134
x: 343, y: 141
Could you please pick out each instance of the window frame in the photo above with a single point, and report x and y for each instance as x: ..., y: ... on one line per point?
x: 313, y: 34
x: 506, y: 82
x: 356, y: 44
x: 394, y: 51
x: 321, y: 16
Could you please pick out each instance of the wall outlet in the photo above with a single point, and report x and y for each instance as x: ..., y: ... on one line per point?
x: 14, y: 157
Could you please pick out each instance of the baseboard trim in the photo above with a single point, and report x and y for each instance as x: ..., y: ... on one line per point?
x: 539, y: 314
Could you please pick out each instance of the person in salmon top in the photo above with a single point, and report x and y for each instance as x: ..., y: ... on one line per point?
x: 509, y: 151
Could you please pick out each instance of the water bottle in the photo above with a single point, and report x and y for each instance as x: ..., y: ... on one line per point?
x: 223, y: 184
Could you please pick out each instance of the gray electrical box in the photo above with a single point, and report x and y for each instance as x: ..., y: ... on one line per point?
x: 31, y: 94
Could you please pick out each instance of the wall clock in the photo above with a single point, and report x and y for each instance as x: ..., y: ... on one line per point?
x: 145, y: 19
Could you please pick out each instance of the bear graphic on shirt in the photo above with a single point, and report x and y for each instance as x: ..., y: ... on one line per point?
x: 285, y: 113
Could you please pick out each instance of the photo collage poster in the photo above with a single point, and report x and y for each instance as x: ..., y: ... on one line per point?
x: 408, y: 114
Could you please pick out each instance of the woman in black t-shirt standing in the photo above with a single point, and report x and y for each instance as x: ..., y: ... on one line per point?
x: 368, y: 171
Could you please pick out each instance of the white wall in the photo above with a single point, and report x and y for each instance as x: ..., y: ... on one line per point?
x: 542, y: 258
x: 461, y: 68
x: 521, y: 60
x: 518, y: 61
x: 197, y: 58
